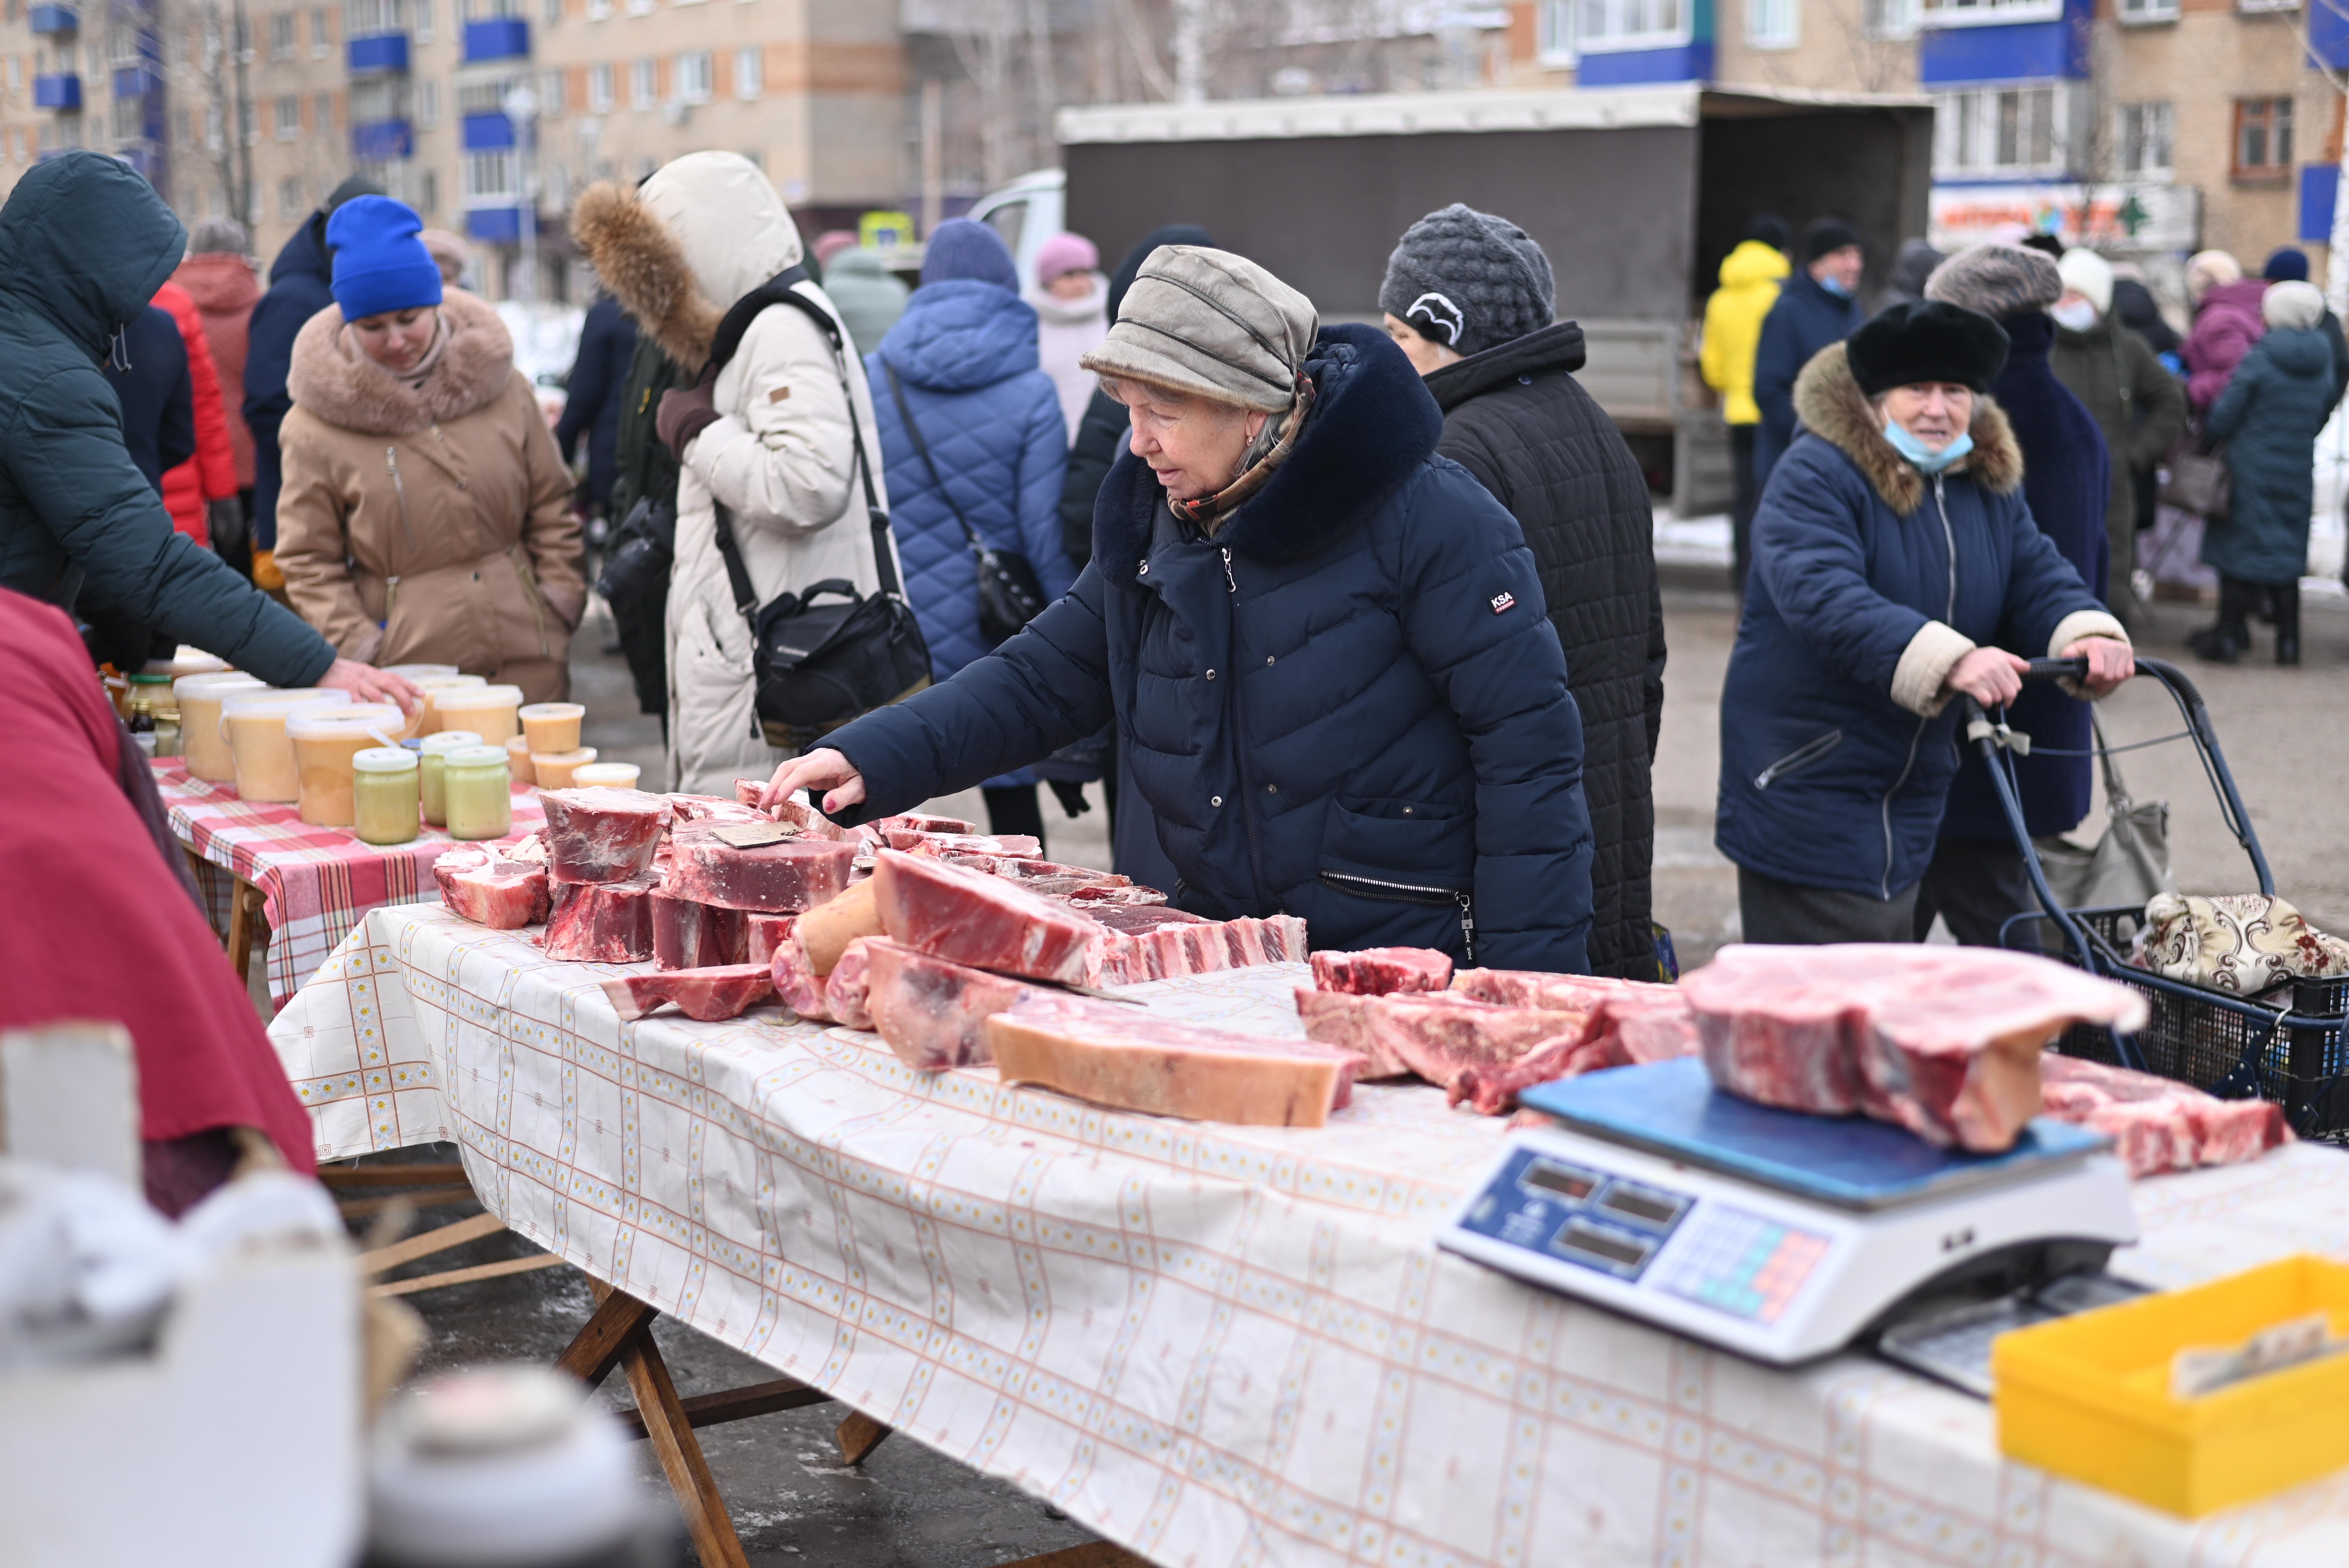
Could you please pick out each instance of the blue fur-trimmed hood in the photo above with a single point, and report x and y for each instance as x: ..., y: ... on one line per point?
x: 1373, y: 422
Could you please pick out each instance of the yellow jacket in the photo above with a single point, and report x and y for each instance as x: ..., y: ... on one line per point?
x: 1732, y: 326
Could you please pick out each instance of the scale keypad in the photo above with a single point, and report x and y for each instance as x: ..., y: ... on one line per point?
x: 1741, y: 1263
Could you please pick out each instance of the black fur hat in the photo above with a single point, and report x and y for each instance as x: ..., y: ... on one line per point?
x: 1926, y: 340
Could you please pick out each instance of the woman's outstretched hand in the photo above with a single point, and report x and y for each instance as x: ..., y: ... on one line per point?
x: 822, y: 768
x: 1989, y: 675
x: 2110, y: 662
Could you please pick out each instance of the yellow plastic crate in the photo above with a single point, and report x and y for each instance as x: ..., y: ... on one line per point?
x: 2087, y: 1397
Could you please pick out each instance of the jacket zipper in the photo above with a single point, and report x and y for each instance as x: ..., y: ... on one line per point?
x: 1801, y: 757
x: 1239, y: 736
x: 1949, y: 618
x: 1411, y: 892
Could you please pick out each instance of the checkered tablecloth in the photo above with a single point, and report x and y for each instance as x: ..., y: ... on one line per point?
x: 1219, y: 1347
x: 315, y: 883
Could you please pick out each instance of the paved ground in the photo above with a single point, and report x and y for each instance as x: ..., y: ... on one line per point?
x: 905, y: 1508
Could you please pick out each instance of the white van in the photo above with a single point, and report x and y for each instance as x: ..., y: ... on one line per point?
x: 1026, y: 212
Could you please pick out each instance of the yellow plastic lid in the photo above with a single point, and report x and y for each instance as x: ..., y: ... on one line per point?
x: 283, y: 699
x: 611, y: 775
x: 215, y: 683
x: 419, y: 672
x: 479, y: 695
x: 342, y: 721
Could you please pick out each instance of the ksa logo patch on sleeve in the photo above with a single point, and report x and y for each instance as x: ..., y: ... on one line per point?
x: 1503, y: 601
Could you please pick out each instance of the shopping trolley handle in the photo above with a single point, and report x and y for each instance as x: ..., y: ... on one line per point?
x: 2056, y: 670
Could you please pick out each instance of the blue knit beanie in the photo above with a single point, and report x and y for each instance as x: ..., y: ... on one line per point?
x: 380, y: 265
x: 962, y: 248
x: 2287, y: 266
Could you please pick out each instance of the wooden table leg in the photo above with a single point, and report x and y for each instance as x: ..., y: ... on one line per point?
x: 196, y: 863
x: 858, y: 1436
x: 243, y: 913
x: 670, y: 1431
x: 598, y: 1345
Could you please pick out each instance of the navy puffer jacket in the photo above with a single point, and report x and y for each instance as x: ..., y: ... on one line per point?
x: 1348, y: 706
x: 1869, y: 582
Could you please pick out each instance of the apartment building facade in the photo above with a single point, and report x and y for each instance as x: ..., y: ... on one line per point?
x: 488, y: 116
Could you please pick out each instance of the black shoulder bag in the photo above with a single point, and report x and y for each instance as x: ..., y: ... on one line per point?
x: 826, y: 654
x: 1009, y: 597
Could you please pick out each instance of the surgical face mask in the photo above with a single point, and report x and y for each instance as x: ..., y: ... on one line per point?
x: 2074, y: 315
x: 1922, y: 456
x: 1835, y: 287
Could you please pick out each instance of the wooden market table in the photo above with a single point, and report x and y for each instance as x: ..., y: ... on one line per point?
x: 1209, y: 1345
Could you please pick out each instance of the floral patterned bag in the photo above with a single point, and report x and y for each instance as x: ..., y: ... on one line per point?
x: 2244, y: 943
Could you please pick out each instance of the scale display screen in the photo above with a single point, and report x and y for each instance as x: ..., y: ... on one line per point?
x: 1639, y: 1203
x: 1609, y: 1247
x: 1563, y: 1180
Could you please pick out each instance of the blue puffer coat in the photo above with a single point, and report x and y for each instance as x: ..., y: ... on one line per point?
x: 1347, y: 706
x: 301, y: 285
x: 1869, y: 582
x: 1806, y: 317
x: 2272, y: 411
x: 964, y: 354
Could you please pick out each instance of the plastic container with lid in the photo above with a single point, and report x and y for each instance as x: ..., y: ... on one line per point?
x: 384, y: 794
x: 427, y: 718
x: 491, y: 712
x: 552, y: 726
x: 419, y: 672
x: 432, y: 752
x: 254, y: 725
x: 199, y: 698
x: 517, y: 766
x: 560, y: 770
x: 477, y: 791
x: 611, y: 775
x: 325, y: 739
x: 189, y: 660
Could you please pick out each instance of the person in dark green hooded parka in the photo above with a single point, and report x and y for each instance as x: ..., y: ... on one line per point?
x: 83, y: 244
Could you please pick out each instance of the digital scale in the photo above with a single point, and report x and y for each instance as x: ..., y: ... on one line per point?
x: 1786, y: 1236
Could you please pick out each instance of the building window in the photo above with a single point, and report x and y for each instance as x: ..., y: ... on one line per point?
x: 1772, y: 23
x: 2000, y: 132
x: 2263, y: 137
x: 248, y: 121
x: 15, y: 73
x: 644, y: 84
x: 322, y: 29
x: 427, y: 193
x: 551, y: 93
x: 281, y: 35
x: 750, y: 73
x: 490, y: 180
x: 693, y: 77
x: 289, y: 198
x: 2258, y: 5
x: 1554, y: 33
x: 2148, y: 10
x: 427, y: 102
x: 1627, y: 23
x: 2146, y: 132
x: 599, y: 89
x: 129, y: 125
x: 1970, y: 13
x: 551, y: 12
x: 1890, y: 18
x: 288, y: 114
x: 423, y: 21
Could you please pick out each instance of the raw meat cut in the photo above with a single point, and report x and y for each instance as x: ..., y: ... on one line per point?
x: 985, y: 922
x: 847, y: 991
x: 1154, y: 942
x: 710, y: 808
x: 932, y: 1013
x: 826, y: 930
x: 796, y: 874
x: 490, y: 890
x: 1014, y: 846
x: 799, y: 988
x: 1557, y: 993
x: 798, y: 813
x: 1438, y: 1034
x: 529, y: 847
x: 2158, y: 1124
x: 1120, y: 891
x: 689, y: 935
x: 922, y: 822
x: 1126, y: 1058
x: 601, y: 923
x: 1377, y: 971
x: 600, y: 834
x: 1650, y: 1024
x: 762, y: 934
x: 709, y: 994
x: 1942, y: 1040
x: 1030, y: 871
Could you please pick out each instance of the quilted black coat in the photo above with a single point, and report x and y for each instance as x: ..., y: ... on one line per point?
x: 1516, y: 418
x: 1347, y: 706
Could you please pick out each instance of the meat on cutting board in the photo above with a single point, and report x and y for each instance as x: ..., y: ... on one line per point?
x: 847, y: 991
x: 798, y: 874
x: 488, y: 888
x: 709, y: 994
x: 600, y: 834
x: 1129, y: 1059
x: 1438, y: 1034
x: 689, y: 935
x: 932, y: 1013
x: 602, y: 922
x: 984, y: 921
x: 1942, y: 1040
x: 2158, y: 1124
x: 1379, y: 970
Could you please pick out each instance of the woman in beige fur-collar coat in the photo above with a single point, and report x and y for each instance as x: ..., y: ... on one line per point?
x: 429, y: 520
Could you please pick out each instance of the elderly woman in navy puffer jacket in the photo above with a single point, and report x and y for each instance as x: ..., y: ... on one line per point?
x: 1324, y: 645
x: 962, y: 362
x: 1895, y: 565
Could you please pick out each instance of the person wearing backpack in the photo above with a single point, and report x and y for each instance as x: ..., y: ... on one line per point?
x: 766, y: 436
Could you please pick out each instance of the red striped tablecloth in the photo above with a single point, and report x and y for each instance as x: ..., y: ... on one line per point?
x: 315, y: 883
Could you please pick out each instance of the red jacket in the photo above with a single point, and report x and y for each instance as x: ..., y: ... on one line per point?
x: 211, y: 474
x: 226, y: 291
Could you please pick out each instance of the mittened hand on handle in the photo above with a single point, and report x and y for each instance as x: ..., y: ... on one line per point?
x: 685, y: 414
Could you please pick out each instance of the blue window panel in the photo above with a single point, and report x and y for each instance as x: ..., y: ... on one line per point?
x: 2328, y: 36
x: 382, y: 140
x: 58, y: 92
x: 2025, y: 52
x: 50, y: 20
x: 497, y: 225
x: 1680, y: 63
x: 488, y: 133
x: 499, y: 38
x: 136, y: 82
x: 146, y: 161
x: 2318, y: 183
x: 378, y: 54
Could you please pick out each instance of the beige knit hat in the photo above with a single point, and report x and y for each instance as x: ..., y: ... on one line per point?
x: 1213, y: 325
x: 1999, y: 281
x: 2289, y: 304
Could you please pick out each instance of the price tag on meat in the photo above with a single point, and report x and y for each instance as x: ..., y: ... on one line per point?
x: 751, y: 835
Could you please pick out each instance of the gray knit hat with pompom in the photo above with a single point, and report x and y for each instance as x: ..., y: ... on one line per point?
x: 1999, y: 281
x: 1469, y: 281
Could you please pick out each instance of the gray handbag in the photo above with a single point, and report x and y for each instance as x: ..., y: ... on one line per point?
x: 2128, y: 865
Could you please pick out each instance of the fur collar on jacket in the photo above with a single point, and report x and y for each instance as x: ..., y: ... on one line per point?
x: 1371, y: 425
x: 640, y: 261
x: 1828, y: 401
x: 338, y: 384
